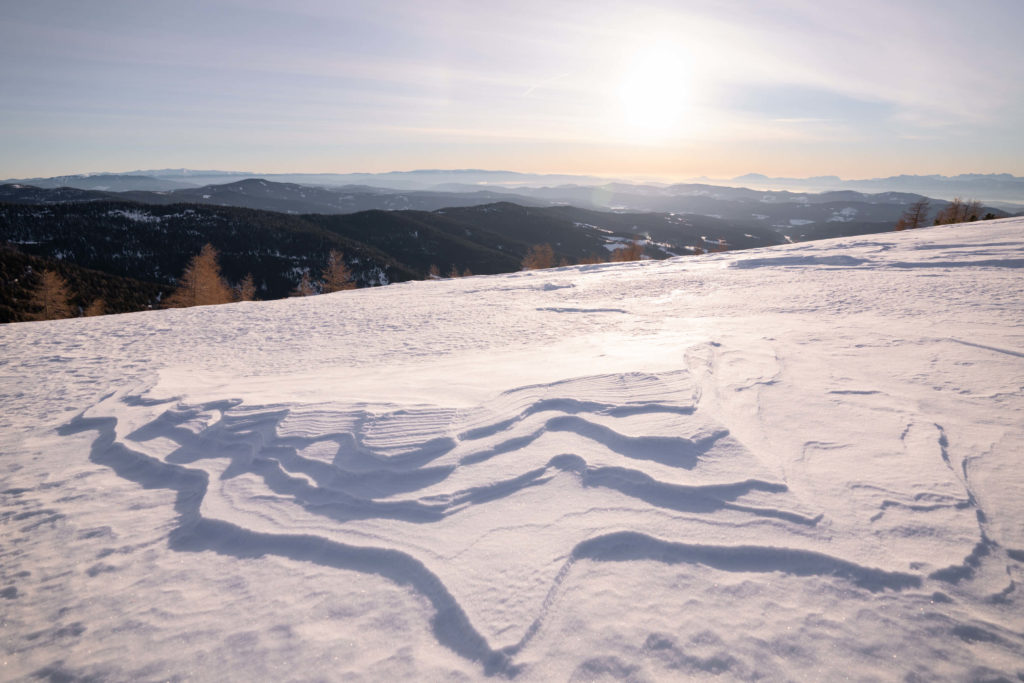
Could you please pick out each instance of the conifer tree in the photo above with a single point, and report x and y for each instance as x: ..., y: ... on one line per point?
x: 454, y: 272
x: 631, y: 252
x: 201, y: 284
x: 246, y: 289
x: 51, y: 296
x: 97, y: 307
x: 434, y: 273
x: 337, y: 276
x: 467, y: 272
x: 305, y: 287
x: 539, y: 256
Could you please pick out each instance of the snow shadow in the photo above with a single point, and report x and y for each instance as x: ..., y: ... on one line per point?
x: 348, y: 464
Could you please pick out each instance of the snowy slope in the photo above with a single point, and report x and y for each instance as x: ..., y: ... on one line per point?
x: 801, y: 462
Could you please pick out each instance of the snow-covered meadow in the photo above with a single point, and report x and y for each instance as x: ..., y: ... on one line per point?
x: 802, y: 462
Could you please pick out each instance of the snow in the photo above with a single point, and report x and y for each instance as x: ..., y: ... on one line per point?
x: 844, y: 215
x: 798, y: 462
x: 137, y: 215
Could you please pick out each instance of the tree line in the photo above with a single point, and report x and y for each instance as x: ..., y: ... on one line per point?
x: 958, y: 211
x: 201, y: 284
x: 542, y: 256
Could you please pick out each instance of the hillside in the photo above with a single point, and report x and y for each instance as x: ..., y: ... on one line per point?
x: 781, y: 215
x: 788, y: 463
x: 126, y: 239
x: 130, y: 240
x: 19, y: 273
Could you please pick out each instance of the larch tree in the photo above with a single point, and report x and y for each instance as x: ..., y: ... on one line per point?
x: 305, y: 287
x: 52, y: 297
x: 336, y: 276
x: 959, y: 211
x: 97, y: 307
x: 201, y: 284
x: 915, y: 216
x: 631, y: 252
x: 246, y: 289
x: 540, y: 256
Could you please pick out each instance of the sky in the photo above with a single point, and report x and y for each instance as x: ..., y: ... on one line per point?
x: 644, y: 89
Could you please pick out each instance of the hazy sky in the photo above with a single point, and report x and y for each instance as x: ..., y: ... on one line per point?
x: 672, y: 89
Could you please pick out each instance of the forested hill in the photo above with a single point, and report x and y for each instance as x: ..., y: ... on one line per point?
x: 154, y: 243
x: 20, y: 275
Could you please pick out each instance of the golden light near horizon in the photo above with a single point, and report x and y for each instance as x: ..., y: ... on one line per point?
x: 653, y: 93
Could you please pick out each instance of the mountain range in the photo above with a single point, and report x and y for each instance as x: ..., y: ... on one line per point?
x: 989, y: 187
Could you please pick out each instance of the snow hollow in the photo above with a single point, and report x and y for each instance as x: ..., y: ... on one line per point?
x: 800, y: 462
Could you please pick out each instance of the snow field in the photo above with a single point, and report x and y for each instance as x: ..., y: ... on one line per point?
x: 795, y: 462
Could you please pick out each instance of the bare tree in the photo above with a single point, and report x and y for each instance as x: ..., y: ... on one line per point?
x: 434, y: 273
x: 467, y: 272
x: 454, y: 272
x: 973, y: 210
x: 201, y: 284
x: 52, y: 297
x: 336, y: 275
x: 539, y: 256
x: 959, y: 211
x: 915, y: 216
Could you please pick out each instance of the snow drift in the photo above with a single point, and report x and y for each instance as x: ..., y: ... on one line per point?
x: 795, y: 462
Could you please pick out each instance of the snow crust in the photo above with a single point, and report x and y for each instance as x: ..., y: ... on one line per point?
x: 798, y: 462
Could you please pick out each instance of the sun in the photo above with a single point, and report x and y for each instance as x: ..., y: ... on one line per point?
x: 653, y: 93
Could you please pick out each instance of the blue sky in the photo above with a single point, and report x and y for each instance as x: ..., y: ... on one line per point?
x: 646, y: 89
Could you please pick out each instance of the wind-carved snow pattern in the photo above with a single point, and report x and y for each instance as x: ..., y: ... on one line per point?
x: 611, y: 467
x: 792, y: 463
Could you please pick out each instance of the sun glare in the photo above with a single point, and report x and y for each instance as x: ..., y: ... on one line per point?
x: 653, y: 93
